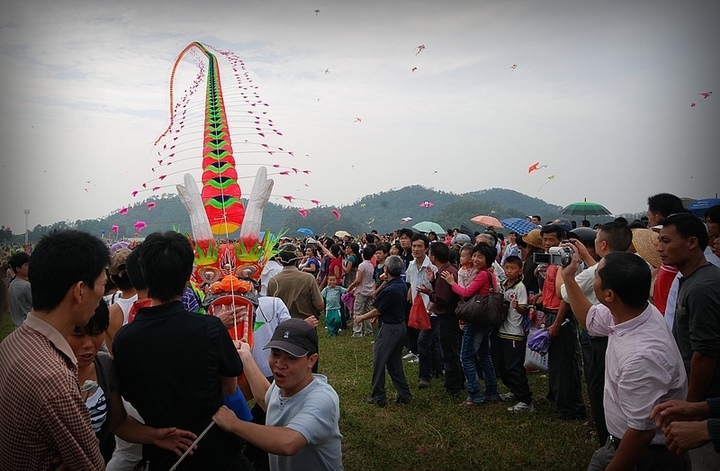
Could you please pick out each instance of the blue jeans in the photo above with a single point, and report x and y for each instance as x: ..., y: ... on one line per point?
x: 476, y: 342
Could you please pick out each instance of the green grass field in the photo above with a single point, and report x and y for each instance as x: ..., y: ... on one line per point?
x: 434, y: 432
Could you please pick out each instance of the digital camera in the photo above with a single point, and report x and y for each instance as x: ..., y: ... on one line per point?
x: 556, y: 256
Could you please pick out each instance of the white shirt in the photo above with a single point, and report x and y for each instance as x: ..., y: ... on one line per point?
x: 643, y: 367
x: 416, y: 276
x: 270, y: 269
x: 586, y: 280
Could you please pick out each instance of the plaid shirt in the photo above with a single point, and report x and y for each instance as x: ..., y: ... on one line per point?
x: 43, y: 415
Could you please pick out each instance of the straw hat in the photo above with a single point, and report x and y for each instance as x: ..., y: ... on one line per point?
x: 645, y: 242
x: 533, y: 238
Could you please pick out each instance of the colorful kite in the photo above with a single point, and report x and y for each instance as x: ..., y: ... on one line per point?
x: 427, y: 204
x: 150, y: 205
x: 115, y: 228
x: 336, y: 213
x: 549, y: 178
x: 535, y: 166
x: 704, y: 96
x: 303, y: 213
x: 123, y: 210
x: 140, y: 225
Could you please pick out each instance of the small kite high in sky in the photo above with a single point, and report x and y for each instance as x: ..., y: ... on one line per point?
x: 513, y: 67
x: 535, y: 166
x: 420, y: 49
x: 549, y: 178
x: 704, y: 96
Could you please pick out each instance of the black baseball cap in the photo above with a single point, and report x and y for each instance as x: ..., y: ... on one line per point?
x: 296, y: 337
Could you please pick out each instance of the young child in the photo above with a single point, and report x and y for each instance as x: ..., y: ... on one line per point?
x: 508, y: 343
x: 331, y: 294
x: 467, y: 272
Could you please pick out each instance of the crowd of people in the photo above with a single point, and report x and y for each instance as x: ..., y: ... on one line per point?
x: 633, y: 307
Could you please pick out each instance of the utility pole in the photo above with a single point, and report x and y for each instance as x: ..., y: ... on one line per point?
x: 27, y: 232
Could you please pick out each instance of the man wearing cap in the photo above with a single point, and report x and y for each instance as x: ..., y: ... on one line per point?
x: 303, y: 411
x: 298, y: 290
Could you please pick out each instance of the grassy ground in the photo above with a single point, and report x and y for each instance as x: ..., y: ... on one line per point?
x: 434, y: 432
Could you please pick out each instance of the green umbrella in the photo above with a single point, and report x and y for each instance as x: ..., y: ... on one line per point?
x: 429, y: 226
x: 585, y: 208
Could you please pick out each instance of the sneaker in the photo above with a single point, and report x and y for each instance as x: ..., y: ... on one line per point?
x: 423, y: 384
x: 357, y: 334
x: 507, y: 397
x: 377, y: 402
x: 522, y: 407
x: 409, y: 356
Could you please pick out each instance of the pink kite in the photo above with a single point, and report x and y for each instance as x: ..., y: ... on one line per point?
x: 124, y: 210
x: 303, y: 212
x: 336, y: 213
x: 116, y: 229
x: 285, y: 172
x: 427, y: 204
x: 134, y: 193
x: 150, y: 205
x: 288, y: 197
x: 315, y: 201
x: 140, y: 225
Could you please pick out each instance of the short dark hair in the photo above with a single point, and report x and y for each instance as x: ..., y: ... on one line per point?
x: 688, y: 226
x: 487, y: 251
x: 167, y: 262
x: 368, y: 252
x: 100, y: 321
x: 441, y: 252
x: 712, y: 214
x: 617, y: 235
x: 420, y: 236
x: 17, y: 260
x: 628, y: 276
x: 553, y: 229
x: 665, y: 204
x: 405, y: 232
x: 513, y: 260
x: 383, y: 246
x: 134, y: 270
x: 61, y: 259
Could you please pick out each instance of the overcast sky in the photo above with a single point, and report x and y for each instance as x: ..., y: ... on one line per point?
x: 601, y: 94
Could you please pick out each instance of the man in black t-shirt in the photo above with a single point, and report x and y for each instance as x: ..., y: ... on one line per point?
x: 176, y: 367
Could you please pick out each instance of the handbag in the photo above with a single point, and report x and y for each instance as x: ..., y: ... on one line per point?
x: 488, y: 310
x: 419, y: 318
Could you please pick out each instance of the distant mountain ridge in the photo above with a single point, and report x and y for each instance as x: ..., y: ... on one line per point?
x: 382, y: 211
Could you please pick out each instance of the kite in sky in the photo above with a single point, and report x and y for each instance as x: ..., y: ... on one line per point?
x: 427, y: 204
x: 405, y: 219
x: 150, y: 205
x: 336, y: 213
x: 704, y: 95
x: 115, y: 228
x: 513, y: 67
x: 123, y: 210
x: 140, y: 225
x: 317, y: 12
x: 413, y: 69
x: 358, y: 120
x: 535, y: 166
x: 303, y: 213
x: 420, y: 49
x: 549, y: 178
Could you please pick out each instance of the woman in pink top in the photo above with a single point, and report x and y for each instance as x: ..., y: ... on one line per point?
x: 476, y: 339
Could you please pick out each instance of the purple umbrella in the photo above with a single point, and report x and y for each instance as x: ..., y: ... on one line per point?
x: 539, y: 341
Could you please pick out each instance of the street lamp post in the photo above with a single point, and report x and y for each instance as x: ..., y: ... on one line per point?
x: 27, y: 213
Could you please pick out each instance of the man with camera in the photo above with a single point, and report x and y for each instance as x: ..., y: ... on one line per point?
x: 612, y: 237
x: 563, y: 365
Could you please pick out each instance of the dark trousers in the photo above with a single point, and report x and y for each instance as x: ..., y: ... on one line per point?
x: 450, y: 336
x: 509, y: 361
x: 596, y: 385
x: 430, y: 361
x: 387, y: 353
x: 564, y: 370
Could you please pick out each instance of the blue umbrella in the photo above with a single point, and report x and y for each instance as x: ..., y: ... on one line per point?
x: 521, y: 226
x: 306, y: 231
x: 699, y: 207
x: 539, y: 341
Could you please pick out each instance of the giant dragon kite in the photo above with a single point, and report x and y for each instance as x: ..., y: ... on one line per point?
x: 227, y: 271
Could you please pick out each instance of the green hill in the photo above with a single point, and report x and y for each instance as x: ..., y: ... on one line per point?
x: 381, y: 211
